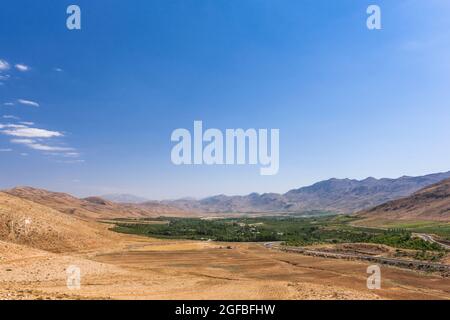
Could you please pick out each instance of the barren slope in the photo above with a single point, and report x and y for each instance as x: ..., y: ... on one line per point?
x: 93, y: 207
x: 430, y: 203
x: 37, y: 226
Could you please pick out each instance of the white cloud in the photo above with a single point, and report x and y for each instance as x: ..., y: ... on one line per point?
x: 28, y: 102
x: 4, y: 77
x: 8, y: 104
x: 22, y: 67
x: 13, y: 126
x: 72, y: 161
x: 5, y: 150
x: 24, y: 154
x: 10, y: 117
x: 23, y: 131
x: 4, y: 65
x: 33, y: 144
x: 26, y: 132
x: 71, y: 154
x: 27, y: 123
x: 32, y: 138
x: 22, y: 141
x: 58, y: 69
x: 43, y: 147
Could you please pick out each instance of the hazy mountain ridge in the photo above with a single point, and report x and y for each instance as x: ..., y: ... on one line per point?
x: 124, y: 198
x: 336, y: 195
x: 339, y: 195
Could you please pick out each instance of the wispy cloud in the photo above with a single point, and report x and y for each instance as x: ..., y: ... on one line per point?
x: 4, y: 65
x: 33, y: 144
x: 71, y: 154
x: 10, y: 125
x: 22, y: 67
x: 28, y: 132
x: 25, y: 133
x: 10, y: 117
x: 28, y: 102
x: 37, y: 139
x: 72, y: 161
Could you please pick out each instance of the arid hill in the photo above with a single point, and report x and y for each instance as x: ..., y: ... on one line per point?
x: 31, y: 224
x: 92, y: 207
x: 430, y: 203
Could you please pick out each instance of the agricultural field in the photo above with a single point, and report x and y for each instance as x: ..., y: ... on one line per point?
x: 441, y: 229
x: 290, y: 230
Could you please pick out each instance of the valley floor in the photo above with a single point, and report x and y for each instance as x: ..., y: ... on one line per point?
x: 143, y: 268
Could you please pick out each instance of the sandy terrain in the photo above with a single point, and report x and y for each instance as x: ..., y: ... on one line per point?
x: 40, y: 227
x: 155, y: 269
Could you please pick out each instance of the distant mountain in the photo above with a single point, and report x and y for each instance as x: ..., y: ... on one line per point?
x: 335, y: 195
x: 354, y: 195
x: 124, y: 198
x: 430, y: 203
x: 338, y: 195
x: 92, y: 207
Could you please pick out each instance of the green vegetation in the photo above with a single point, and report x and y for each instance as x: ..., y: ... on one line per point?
x: 441, y: 229
x: 421, y: 255
x: 293, y: 231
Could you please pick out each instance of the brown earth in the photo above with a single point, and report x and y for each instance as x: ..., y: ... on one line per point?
x: 37, y: 226
x: 431, y: 204
x: 92, y: 207
x: 140, y: 268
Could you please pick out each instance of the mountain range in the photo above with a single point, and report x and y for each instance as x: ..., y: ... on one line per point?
x: 336, y: 195
x: 333, y: 195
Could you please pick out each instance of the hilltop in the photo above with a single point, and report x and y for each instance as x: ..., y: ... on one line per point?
x: 91, y: 207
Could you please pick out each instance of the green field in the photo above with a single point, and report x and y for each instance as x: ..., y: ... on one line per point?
x: 441, y: 229
x: 290, y: 230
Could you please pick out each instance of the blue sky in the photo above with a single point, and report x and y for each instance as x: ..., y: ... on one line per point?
x: 349, y: 102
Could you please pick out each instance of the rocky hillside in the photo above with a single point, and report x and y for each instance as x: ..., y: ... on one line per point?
x: 430, y: 203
